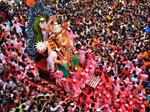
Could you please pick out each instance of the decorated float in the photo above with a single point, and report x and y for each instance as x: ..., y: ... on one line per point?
x: 71, y: 68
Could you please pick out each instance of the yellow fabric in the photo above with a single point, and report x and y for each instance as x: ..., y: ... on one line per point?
x: 146, y: 54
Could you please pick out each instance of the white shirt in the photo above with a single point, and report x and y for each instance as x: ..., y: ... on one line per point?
x: 138, y: 70
x: 18, y: 27
x: 52, y: 57
x: 2, y: 57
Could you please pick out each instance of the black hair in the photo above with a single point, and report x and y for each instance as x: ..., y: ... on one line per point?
x: 115, y: 78
x: 23, y: 106
x: 136, y: 110
x: 78, y: 46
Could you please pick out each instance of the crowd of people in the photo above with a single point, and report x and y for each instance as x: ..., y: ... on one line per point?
x: 115, y: 32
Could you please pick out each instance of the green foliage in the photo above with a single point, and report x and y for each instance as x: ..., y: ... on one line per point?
x: 37, y: 29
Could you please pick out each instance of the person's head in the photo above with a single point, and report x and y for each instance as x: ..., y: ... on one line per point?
x: 23, y: 106
x: 126, y: 68
x: 78, y: 46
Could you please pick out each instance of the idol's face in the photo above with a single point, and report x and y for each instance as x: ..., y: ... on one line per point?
x: 57, y: 28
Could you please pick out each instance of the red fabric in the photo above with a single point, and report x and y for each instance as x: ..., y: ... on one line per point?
x: 42, y: 65
x: 3, y: 15
x: 126, y: 72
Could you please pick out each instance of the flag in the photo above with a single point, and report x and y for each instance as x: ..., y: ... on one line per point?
x: 94, y: 81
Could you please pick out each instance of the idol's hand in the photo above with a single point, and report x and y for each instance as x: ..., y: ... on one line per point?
x: 58, y: 62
